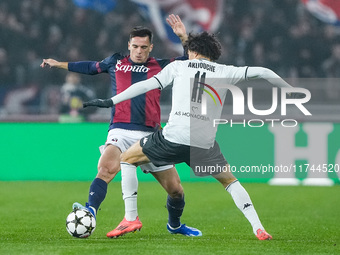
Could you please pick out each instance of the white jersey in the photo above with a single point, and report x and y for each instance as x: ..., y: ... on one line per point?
x: 198, y: 95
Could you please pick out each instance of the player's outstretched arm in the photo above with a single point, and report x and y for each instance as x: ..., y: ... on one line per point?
x: 178, y: 27
x: 273, y: 78
x: 54, y: 63
x: 135, y: 90
x: 102, y: 103
x: 267, y: 74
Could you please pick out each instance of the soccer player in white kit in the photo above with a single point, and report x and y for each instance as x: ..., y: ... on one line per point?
x: 189, y: 135
x: 129, y: 123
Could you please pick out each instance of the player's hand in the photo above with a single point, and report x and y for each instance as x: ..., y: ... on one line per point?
x: 49, y: 63
x: 102, y: 103
x: 296, y: 95
x: 177, y: 26
x: 54, y: 63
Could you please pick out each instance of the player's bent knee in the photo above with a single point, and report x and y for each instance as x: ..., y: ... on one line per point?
x: 127, y: 159
x: 108, y: 173
x: 124, y: 157
x: 176, y: 192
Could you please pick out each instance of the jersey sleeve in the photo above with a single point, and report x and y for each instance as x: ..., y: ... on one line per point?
x: 84, y: 67
x: 136, y: 89
x: 104, y: 65
x: 93, y: 67
x: 168, y: 74
x: 237, y: 74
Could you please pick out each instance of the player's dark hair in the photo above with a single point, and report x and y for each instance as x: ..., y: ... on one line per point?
x: 141, y: 31
x: 204, y: 44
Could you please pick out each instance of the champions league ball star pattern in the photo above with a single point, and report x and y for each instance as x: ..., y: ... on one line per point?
x: 80, y: 223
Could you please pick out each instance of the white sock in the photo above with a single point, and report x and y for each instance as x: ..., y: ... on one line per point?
x: 129, y: 190
x: 243, y: 202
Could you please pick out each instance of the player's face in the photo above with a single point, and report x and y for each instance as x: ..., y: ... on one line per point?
x: 140, y: 48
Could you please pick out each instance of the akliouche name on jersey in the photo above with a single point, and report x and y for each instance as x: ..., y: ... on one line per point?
x: 202, y: 65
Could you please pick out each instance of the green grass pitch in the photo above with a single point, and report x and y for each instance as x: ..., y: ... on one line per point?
x: 302, y: 220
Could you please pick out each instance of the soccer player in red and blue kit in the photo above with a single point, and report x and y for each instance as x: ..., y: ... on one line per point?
x: 131, y: 121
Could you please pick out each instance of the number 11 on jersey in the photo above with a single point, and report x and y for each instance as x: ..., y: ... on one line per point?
x: 197, y: 92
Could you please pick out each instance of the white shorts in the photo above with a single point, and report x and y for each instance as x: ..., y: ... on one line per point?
x: 123, y: 139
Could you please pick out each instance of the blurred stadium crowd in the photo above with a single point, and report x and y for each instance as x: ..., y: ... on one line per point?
x: 281, y: 35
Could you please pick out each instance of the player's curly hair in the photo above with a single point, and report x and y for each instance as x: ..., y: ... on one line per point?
x: 204, y: 44
x: 141, y: 31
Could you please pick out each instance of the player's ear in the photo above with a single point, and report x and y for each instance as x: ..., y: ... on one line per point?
x: 129, y: 45
x: 151, y: 47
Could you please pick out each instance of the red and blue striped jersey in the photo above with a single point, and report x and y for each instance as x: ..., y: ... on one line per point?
x: 141, y: 112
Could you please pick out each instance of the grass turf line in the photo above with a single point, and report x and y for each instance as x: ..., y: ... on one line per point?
x: 302, y: 220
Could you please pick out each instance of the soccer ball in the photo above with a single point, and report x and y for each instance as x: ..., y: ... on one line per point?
x: 80, y: 223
